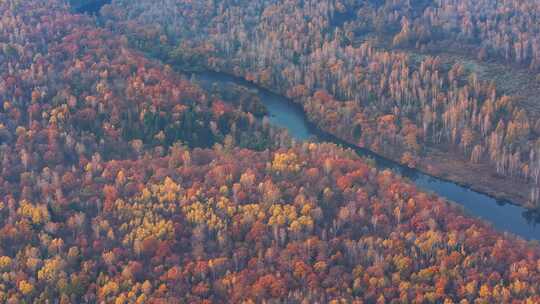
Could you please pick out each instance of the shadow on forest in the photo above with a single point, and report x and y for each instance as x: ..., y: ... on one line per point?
x: 88, y: 7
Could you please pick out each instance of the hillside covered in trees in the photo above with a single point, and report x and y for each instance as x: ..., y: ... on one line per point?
x: 123, y: 181
x: 350, y: 65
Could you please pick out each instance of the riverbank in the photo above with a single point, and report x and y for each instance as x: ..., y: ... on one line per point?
x: 444, y: 165
x: 510, y: 79
x: 284, y: 113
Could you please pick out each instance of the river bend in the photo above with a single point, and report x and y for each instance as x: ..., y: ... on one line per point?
x: 284, y: 113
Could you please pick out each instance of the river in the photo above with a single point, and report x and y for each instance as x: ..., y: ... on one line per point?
x: 284, y: 113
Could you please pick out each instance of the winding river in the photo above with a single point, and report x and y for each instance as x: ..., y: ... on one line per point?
x: 284, y: 113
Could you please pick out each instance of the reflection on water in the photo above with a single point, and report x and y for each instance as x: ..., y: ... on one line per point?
x: 284, y: 113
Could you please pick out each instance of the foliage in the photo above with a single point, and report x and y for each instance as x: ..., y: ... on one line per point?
x: 100, y: 203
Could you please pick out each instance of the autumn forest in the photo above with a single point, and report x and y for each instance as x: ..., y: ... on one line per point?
x: 126, y: 179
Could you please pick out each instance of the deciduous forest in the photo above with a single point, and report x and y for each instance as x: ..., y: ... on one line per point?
x: 373, y: 73
x: 123, y: 180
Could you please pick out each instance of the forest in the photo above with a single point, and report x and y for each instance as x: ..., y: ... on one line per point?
x: 124, y: 181
x: 372, y: 73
